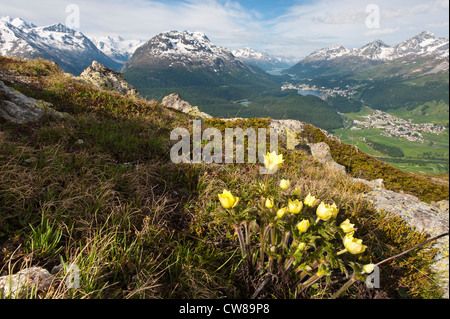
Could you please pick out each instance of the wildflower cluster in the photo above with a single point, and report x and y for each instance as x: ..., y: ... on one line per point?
x: 280, y: 230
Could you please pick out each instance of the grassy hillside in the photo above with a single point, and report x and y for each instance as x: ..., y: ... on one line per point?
x: 219, y: 94
x: 139, y: 226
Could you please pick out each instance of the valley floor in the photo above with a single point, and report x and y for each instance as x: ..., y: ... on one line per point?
x: 425, y: 146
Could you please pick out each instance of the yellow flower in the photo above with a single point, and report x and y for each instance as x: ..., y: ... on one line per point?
x: 353, y: 245
x: 295, y: 206
x: 334, y: 210
x: 347, y: 227
x: 285, y: 184
x: 324, y: 212
x: 311, y: 201
x: 368, y: 268
x: 297, y: 192
x: 228, y: 200
x: 273, y: 162
x: 269, y: 203
x: 281, y: 212
x: 303, y: 226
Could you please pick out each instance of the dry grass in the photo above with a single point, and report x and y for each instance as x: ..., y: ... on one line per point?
x: 137, y: 225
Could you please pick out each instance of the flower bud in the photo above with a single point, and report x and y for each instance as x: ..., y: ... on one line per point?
x: 311, y: 201
x: 228, y: 200
x: 285, y: 184
x: 347, y: 227
x: 303, y: 226
x: 269, y: 203
x: 281, y: 212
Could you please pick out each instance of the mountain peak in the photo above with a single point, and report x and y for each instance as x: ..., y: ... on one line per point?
x: 58, y: 27
x: 17, y: 22
x: 186, y: 49
x: 426, y: 35
x: 70, y: 49
x: 377, y: 43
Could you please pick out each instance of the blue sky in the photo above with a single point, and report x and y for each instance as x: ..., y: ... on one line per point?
x: 284, y: 27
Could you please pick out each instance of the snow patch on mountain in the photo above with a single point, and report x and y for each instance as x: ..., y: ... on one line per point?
x: 423, y: 44
x: 71, y: 49
x: 263, y: 60
x: 185, y: 49
x: 116, y: 47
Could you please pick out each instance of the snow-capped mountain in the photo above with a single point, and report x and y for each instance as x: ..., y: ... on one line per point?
x: 117, y: 48
x: 338, y: 59
x: 70, y: 49
x: 423, y: 44
x: 185, y: 49
x: 263, y: 60
x: 188, y: 59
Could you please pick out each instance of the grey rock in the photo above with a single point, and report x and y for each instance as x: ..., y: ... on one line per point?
x: 19, y: 108
x: 375, y: 184
x: 423, y: 217
x: 321, y: 152
x: 15, y: 286
x: 175, y: 101
x: 107, y: 79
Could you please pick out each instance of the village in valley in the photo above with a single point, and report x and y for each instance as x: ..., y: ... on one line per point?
x: 322, y: 91
x: 393, y: 126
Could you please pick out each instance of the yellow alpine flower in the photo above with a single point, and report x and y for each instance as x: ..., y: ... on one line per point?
x: 285, y: 184
x: 269, y: 203
x: 303, y: 226
x: 273, y: 162
x: 281, y: 212
x: 295, y: 206
x: 311, y: 201
x: 368, y: 268
x: 326, y: 211
x: 228, y: 200
x: 347, y: 227
x: 353, y: 245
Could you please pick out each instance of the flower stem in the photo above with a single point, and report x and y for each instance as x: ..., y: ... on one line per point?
x: 241, y: 240
x: 344, y: 287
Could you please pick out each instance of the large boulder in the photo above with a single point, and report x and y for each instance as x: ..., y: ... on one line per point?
x: 175, y: 101
x: 19, y: 108
x: 107, y: 79
x: 16, y: 286
x: 322, y: 153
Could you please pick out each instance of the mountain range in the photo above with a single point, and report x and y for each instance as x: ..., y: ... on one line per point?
x: 116, y: 47
x: 340, y: 60
x: 72, y: 50
x: 264, y: 60
x: 225, y: 83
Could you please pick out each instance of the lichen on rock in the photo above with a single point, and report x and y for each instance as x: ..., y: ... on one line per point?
x: 107, y: 79
x: 18, y: 108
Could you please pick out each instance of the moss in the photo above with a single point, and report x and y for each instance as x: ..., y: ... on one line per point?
x: 362, y: 165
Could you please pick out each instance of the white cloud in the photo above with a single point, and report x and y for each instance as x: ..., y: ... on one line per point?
x: 381, y: 31
x: 303, y: 28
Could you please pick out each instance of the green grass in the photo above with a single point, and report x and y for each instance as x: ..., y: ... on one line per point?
x: 415, y: 159
x: 137, y: 225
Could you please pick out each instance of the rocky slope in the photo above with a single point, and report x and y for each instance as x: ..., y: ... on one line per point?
x: 104, y: 133
x: 107, y: 79
x: 173, y: 59
x: 433, y: 219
